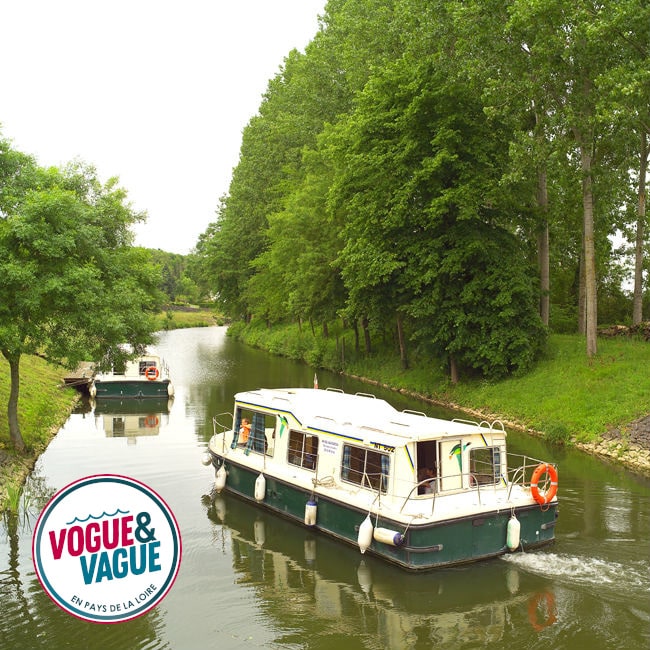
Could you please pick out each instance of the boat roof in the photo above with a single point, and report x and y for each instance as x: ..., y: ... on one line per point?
x: 359, y: 415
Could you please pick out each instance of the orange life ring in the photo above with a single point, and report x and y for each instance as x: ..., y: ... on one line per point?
x: 551, y: 611
x: 151, y: 421
x: 151, y: 373
x: 547, y: 497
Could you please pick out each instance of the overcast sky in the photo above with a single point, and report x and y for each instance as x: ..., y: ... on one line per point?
x: 156, y: 92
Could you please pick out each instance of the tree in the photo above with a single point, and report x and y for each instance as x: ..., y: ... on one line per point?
x: 416, y: 181
x: 72, y: 284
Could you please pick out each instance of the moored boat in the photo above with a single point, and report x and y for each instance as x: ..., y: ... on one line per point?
x: 418, y: 491
x: 145, y: 376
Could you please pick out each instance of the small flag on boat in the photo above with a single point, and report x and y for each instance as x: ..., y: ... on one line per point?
x: 283, y: 425
x: 315, y: 381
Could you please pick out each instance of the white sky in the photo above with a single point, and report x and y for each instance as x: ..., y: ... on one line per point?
x: 156, y: 92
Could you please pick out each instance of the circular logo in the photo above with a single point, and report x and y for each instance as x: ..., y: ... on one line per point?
x: 106, y: 548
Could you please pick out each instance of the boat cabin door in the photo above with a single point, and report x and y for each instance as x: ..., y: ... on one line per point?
x: 427, y: 466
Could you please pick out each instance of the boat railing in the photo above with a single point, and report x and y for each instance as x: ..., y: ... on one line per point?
x: 521, y: 468
x: 412, y: 412
x: 473, y: 480
x: 219, y: 427
x: 495, y: 425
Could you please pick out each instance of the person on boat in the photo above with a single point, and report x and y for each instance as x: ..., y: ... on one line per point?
x: 427, y: 474
x: 244, y: 431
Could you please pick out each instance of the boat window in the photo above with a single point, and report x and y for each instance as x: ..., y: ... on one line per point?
x: 303, y: 450
x: 254, y: 432
x: 365, y: 467
x: 485, y: 465
x: 144, y: 365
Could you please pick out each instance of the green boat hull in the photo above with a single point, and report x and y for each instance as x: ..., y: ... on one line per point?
x: 131, y: 389
x: 427, y: 546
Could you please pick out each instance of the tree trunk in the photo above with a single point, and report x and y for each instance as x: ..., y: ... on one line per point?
x: 402, y: 343
x: 12, y: 406
x: 355, y: 328
x: 591, y: 299
x: 582, y: 320
x: 543, y: 251
x: 637, y: 305
x: 453, y: 370
x: 366, y: 334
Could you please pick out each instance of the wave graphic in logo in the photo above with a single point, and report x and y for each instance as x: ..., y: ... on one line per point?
x: 104, y: 514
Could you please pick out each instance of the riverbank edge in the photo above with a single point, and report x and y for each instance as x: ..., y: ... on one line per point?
x: 15, y: 469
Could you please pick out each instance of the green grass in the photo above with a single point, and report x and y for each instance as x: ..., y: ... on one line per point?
x: 182, y: 318
x: 569, y: 395
x: 566, y: 396
x: 42, y: 405
x: 42, y: 408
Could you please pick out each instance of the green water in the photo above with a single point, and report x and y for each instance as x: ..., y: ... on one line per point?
x: 250, y: 580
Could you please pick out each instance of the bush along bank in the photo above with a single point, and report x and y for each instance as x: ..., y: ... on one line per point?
x: 598, y: 405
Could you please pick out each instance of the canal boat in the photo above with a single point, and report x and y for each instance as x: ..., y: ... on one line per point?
x: 145, y: 376
x: 417, y: 491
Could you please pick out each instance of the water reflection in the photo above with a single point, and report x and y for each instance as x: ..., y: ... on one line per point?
x: 131, y: 418
x: 306, y: 581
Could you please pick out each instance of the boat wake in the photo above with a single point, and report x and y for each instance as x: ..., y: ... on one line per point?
x: 585, y: 570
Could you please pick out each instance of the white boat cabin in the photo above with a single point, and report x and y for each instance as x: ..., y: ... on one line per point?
x: 325, y: 437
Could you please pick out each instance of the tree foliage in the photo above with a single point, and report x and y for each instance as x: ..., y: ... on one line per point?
x: 72, y: 283
x: 450, y: 171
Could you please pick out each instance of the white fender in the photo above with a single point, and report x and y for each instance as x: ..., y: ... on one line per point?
x: 92, y: 390
x: 311, y: 510
x: 206, y: 459
x: 260, y: 488
x: 364, y: 538
x: 220, y: 479
x: 310, y: 550
x: 220, y: 508
x: 170, y: 389
x: 259, y: 532
x: 364, y: 577
x: 513, y: 533
x: 387, y: 536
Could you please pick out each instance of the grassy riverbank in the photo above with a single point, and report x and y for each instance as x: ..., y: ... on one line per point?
x: 566, y: 397
x: 178, y: 317
x: 42, y: 408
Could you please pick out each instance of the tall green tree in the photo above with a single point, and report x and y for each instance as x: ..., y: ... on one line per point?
x: 417, y: 181
x: 72, y: 284
x: 566, y: 40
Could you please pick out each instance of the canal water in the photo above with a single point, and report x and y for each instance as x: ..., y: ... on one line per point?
x: 251, y: 580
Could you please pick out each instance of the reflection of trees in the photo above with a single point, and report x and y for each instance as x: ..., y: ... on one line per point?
x: 13, y: 601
